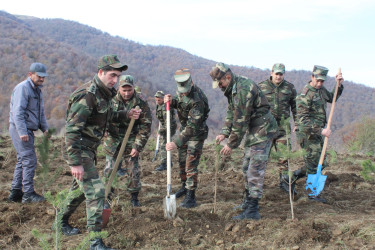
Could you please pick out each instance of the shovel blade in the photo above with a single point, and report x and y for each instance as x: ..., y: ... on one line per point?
x: 106, y: 214
x: 315, y: 182
x: 170, y: 206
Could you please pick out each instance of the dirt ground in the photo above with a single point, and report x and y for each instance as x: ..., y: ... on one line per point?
x: 347, y: 221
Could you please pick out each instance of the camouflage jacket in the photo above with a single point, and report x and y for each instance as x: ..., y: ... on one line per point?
x: 282, y: 98
x: 161, y: 114
x: 89, y: 111
x: 311, y: 108
x: 193, y: 112
x: 248, y: 110
x: 141, y: 129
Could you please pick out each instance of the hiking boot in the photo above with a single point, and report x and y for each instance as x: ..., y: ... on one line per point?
x: 317, y: 199
x: 242, y: 206
x: 121, y: 172
x: 251, y: 210
x: 98, y: 244
x: 182, y: 191
x: 32, y: 197
x: 189, y: 200
x: 134, y: 200
x: 162, y: 167
x: 15, y: 195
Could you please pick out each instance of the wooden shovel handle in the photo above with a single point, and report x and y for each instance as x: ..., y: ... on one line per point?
x: 119, y: 156
x: 329, y: 121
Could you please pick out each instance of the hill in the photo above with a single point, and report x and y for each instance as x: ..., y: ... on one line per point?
x: 345, y: 222
x: 70, y: 50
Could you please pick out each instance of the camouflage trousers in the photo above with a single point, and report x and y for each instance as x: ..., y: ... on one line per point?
x: 133, y: 181
x: 282, y: 162
x: 313, y: 145
x: 254, y: 167
x: 188, y: 157
x: 93, y: 192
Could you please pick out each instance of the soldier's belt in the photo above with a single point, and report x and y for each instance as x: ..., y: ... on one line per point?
x: 89, y: 144
x: 261, y: 120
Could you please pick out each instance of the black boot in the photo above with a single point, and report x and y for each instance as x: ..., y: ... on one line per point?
x: 134, y: 200
x: 122, y: 171
x: 317, y: 199
x: 284, y: 184
x: 15, y: 195
x: 251, y: 211
x: 67, y: 229
x: 242, y: 206
x: 32, y: 197
x: 162, y: 167
x: 182, y: 191
x: 98, y: 244
x: 189, y: 200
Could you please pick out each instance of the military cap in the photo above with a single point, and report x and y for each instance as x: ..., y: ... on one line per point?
x: 126, y: 80
x: 320, y: 72
x: 217, y: 73
x: 278, y: 68
x: 183, y: 79
x: 39, y: 68
x: 159, y: 94
x: 113, y: 61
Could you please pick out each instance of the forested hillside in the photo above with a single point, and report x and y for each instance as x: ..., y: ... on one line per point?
x: 70, y: 50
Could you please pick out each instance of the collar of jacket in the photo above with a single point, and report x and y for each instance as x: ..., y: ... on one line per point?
x: 311, y: 87
x: 229, y: 88
x: 33, y: 85
x: 269, y: 80
x: 108, y: 93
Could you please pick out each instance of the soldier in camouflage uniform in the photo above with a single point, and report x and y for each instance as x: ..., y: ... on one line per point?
x: 248, y: 111
x: 311, y: 119
x: 161, y: 114
x: 281, y: 96
x: 88, y: 114
x: 127, y: 99
x: 192, y: 109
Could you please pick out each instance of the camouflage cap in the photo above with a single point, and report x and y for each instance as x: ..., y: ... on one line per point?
x: 183, y: 79
x: 113, y: 61
x: 278, y: 68
x: 159, y: 94
x: 217, y: 73
x: 126, y: 80
x: 39, y: 68
x: 320, y: 72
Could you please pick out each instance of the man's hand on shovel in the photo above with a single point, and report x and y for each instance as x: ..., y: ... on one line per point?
x: 134, y: 113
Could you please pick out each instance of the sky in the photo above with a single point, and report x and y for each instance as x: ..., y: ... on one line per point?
x: 298, y: 33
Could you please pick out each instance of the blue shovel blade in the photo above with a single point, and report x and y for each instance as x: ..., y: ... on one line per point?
x: 315, y: 182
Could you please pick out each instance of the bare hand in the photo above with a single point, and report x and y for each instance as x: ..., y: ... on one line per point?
x: 295, y: 129
x: 326, y: 132
x: 24, y: 138
x: 167, y: 98
x: 134, y: 114
x: 77, y: 172
x: 220, y: 138
x: 226, y: 150
x: 170, y: 146
x: 134, y: 153
x: 339, y: 79
x: 45, y: 133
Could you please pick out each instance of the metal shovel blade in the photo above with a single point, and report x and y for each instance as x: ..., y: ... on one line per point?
x: 106, y: 215
x: 315, y: 182
x: 170, y: 206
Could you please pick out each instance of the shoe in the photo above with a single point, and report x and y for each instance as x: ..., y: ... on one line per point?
x: 284, y: 184
x: 98, y: 244
x: 182, y: 191
x: 162, y: 167
x: 32, y: 197
x: 189, y: 201
x: 134, y: 200
x: 121, y: 172
x: 317, y: 199
x: 68, y: 230
x: 15, y: 195
x: 251, y: 210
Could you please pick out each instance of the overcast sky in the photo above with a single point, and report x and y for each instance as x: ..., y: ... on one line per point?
x: 300, y: 34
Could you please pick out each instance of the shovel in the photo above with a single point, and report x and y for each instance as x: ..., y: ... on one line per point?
x: 157, y: 146
x: 170, y: 200
x: 315, y: 182
x: 107, y: 211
